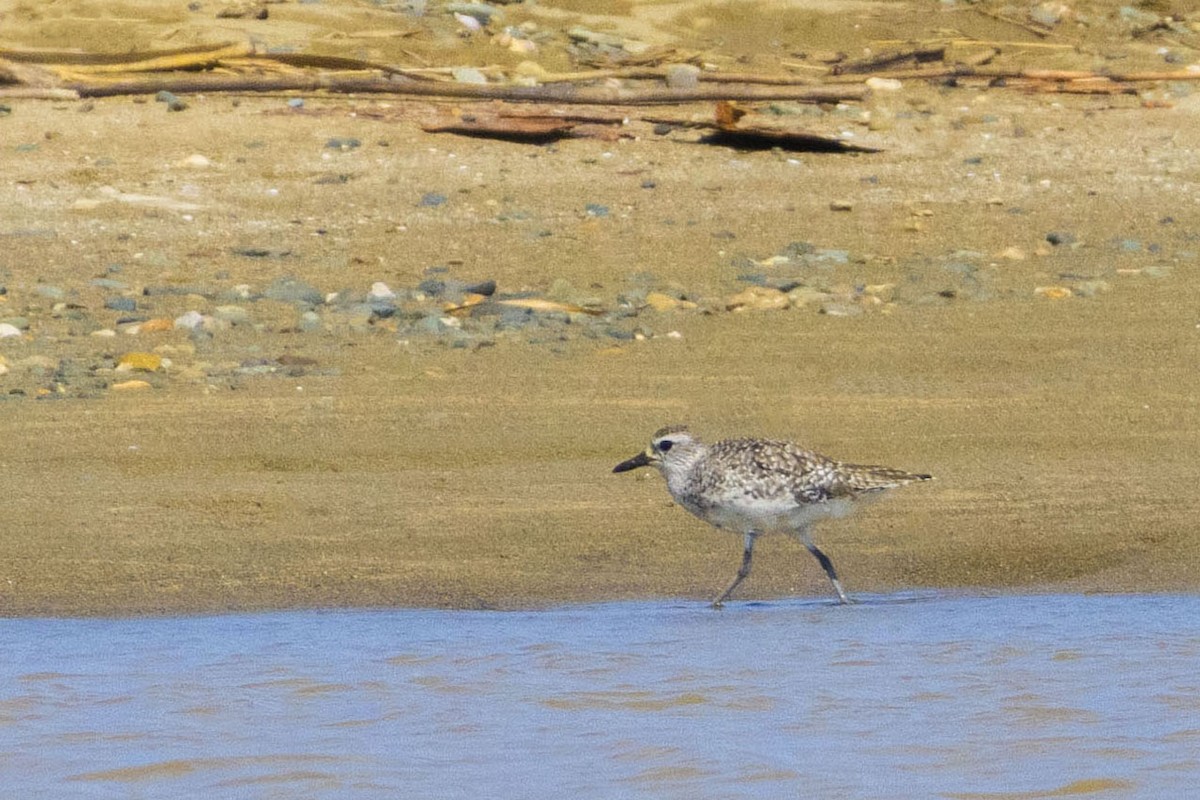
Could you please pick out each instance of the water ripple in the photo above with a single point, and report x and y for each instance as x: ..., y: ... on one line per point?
x: 916, y: 695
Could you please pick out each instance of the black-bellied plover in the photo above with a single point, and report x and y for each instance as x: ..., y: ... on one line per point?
x: 757, y: 486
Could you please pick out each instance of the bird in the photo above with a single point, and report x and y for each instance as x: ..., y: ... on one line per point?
x: 755, y: 486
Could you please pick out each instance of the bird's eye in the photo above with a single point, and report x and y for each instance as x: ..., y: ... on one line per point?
x: 665, y: 445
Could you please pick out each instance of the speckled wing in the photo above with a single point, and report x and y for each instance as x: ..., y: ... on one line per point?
x: 772, y: 469
x: 809, y: 477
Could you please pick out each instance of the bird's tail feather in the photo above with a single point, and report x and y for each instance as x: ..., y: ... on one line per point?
x: 867, y: 477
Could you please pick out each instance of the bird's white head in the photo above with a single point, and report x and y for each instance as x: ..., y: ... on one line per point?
x: 672, y: 449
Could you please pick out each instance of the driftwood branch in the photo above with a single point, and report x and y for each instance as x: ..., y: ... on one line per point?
x: 236, y: 67
x: 554, y: 93
x: 80, y: 58
x: 183, y: 61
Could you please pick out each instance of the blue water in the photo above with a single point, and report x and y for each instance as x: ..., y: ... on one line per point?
x: 899, y: 697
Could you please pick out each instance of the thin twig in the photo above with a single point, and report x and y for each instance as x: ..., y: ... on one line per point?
x: 882, y: 60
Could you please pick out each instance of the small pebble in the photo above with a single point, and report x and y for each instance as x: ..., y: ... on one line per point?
x: 1050, y: 13
x: 291, y: 290
x: 154, y: 326
x: 467, y: 21
x: 803, y: 296
x: 132, y: 385
x: 121, y: 304
x: 234, y: 315
x: 1090, y: 288
x: 884, y: 84
x: 196, y: 161
x: 841, y: 310
x: 485, y: 288
x: 380, y: 291
x: 39, y: 363
x: 662, y: 302
x: 758, y: 298
x: 309, y: 321
x: 432, y: 200
x: 469, y: 75
x: 189, y: 321
x: 139, y: 362
x: 261, y: 252
x: 683, y: 76
x: 8, y: 330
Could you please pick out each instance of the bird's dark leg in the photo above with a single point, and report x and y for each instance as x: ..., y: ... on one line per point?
x: 743, y: 570
x: 826, y: 565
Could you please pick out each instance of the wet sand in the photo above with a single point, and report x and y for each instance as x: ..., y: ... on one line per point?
x: 1062, y: 432
x: 1062, y: 451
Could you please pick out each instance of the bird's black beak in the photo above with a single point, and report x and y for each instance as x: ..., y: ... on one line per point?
x: 642, y: 459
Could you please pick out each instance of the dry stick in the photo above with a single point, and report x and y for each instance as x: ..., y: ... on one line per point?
x: 1173, y: 75
x: 984, y: 71
x: 1039, y: 32
x: 821, y: 68
x: 967, y: 42
x: 1080, y: 87
x: 37, y: 93
x: 77, y: 57
x: 1037, y: 74
x: 194, y: 60
x: 660, y: 73
x: 903, y: 74
x: 337, y: 63
x: 73, y: 67
x: 550, y: 94
x: 874, y: 63
x: 755, y: 78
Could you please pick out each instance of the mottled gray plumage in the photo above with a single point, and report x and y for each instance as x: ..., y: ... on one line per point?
x: 756, y: 486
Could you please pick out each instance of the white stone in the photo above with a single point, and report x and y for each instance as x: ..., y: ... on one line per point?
x: 189, y: 321
x: 884, y: 84
x: 195, y: 160
x: 381, y: 291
